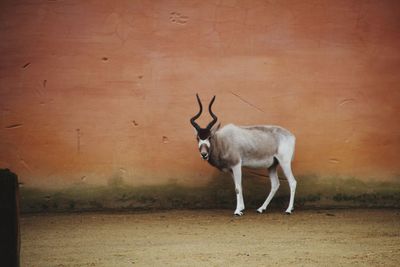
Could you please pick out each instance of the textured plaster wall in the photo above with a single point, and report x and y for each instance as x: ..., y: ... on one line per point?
x: 97, y: 95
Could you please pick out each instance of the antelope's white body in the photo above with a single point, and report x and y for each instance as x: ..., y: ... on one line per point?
x: 262, y: 146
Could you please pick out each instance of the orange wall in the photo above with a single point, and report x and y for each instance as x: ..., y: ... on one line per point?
x: 94, y: 90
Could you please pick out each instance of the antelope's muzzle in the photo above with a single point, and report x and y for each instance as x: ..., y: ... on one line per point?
x: 204, y: 151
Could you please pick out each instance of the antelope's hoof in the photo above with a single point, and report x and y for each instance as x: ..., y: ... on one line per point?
x: 288, y: 213
x: 238, y: 213
x: 260, y: 210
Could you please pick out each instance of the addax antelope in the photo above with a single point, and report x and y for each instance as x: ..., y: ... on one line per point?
x: 262, y: 146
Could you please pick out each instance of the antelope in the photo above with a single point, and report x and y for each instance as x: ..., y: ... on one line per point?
x: 262, y: 146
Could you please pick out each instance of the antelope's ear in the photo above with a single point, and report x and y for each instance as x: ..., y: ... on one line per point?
x: 215, y: 128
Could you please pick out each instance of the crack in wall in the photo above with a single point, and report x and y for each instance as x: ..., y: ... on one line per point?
x: 247, y: 102
x: 13, y: 126
x: 78, y: 140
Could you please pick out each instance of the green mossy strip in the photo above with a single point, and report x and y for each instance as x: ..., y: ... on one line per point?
x: 312, y: 192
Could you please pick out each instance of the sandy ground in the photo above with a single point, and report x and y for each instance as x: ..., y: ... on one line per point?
x: 213, y: 238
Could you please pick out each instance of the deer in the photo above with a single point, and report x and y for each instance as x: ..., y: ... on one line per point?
x: 261, y: 146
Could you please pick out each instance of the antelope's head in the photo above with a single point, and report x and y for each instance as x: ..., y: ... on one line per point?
x: 204, y: 135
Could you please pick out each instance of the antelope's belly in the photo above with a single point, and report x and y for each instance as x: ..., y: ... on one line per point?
x: 258, y: 163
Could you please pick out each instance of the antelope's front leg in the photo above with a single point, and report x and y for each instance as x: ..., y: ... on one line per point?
x: 237, y: 178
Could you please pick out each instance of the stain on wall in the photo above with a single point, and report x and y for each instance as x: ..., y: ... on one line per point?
x: 91, y: 91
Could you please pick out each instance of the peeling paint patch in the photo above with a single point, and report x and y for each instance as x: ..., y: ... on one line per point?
x: 26, y: 65
x: 334, y: 161
x: 347, y: 101
x: 165, y: 140
x: 135, y: 123
x: 178, y: 18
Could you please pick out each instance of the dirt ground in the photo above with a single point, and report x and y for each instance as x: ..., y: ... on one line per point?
x: 213, y: 238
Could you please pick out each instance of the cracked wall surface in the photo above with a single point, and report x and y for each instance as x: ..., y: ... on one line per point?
x: 93, y: 91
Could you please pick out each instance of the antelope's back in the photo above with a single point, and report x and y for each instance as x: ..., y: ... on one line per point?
x: 255, y: 141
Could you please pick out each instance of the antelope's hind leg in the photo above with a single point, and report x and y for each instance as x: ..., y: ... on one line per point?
x: 273, y: 176
x: 285, y: 156
x: 287, y: 170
